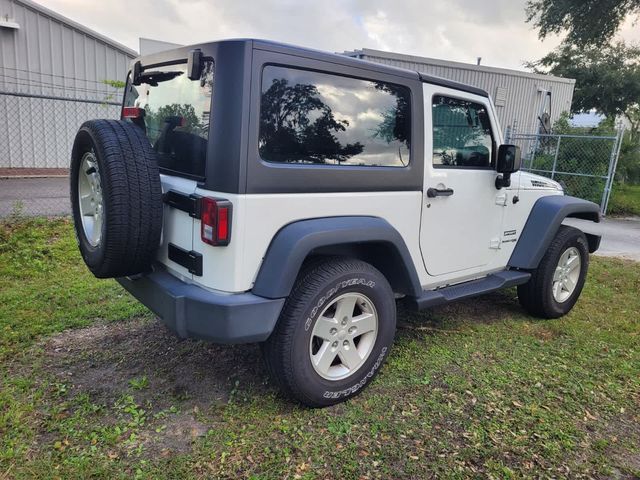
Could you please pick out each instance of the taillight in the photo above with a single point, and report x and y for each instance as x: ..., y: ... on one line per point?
x: 132, y: 112
x: 215, y: 221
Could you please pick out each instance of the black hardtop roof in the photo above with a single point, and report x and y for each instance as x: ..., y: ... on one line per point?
x: 312, y: 54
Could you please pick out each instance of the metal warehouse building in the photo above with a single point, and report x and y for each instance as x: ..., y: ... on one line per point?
x: 52, y: 73
x: 524, y: 101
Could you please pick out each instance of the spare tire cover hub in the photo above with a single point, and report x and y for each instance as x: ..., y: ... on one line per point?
x: 90, y: 198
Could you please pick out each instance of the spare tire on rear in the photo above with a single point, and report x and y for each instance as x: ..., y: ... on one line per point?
x: 116, y: 198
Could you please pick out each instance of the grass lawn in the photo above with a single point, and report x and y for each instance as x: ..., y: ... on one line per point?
x: 92, y: 386
x: 625, y: 200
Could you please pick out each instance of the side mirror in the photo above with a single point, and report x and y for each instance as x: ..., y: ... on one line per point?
x: 194, y: 64
x: 509, y: 161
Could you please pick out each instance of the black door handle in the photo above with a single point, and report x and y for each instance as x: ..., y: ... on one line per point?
x: 436, y: 192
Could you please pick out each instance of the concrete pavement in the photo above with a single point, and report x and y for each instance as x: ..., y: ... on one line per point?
x: 620, y: 236
x: 35, y: 196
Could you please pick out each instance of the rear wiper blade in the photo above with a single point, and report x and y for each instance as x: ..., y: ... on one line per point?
x: 154, y: 77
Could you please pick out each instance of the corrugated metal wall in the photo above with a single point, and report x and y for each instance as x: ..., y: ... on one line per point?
x: 520, y: 90
x: 50, y: 56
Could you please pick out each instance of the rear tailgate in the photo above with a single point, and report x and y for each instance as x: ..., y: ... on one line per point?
x: 177, y: 229
x: 174, y: 111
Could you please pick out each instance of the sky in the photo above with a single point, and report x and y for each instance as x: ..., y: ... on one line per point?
x: 459, y: 30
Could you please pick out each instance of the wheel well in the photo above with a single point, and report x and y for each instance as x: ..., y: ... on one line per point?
x: 586, y: 215
x: 382, y: 255
x: 543, y: 222
x: 370, y: 239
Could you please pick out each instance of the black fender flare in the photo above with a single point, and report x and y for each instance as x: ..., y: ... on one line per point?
x: 543, y: 223
x: 296, y: 241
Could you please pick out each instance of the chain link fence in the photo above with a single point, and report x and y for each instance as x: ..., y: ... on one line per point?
x: 584, y: 164
x: 36, y: 141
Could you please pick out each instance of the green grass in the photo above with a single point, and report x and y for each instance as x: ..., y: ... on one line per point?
x: 45, y: 287
x: 625, y: 200
x: 479, y: 389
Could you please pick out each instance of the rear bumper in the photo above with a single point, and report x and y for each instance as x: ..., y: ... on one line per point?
x: 192, y: 311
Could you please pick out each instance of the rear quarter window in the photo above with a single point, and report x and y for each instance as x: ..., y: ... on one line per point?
x: 309, y: 117
x: 176, y: 116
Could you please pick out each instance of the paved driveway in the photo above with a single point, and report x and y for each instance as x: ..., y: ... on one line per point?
x: 620, y: 236
x: 50, y: 196
x: 37, y: 196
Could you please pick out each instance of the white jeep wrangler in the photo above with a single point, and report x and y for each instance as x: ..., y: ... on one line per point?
x: 259, y: 192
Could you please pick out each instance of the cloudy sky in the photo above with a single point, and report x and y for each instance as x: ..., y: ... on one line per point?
x: 458, y: 30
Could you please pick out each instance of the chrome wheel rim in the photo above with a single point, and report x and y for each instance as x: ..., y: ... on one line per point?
x: 90, y: 199
x: 565, y: 278
x: 343, y: 336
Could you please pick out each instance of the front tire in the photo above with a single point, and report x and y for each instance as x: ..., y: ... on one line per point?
x: 555, y: 286
x: 334, y: 333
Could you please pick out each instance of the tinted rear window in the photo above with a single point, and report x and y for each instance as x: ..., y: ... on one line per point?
x: 176, y: 118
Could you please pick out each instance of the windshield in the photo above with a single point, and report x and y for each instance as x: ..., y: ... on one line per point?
x: 175, y: 116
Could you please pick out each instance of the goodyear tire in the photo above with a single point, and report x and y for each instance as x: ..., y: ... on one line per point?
x: 334, y: 333
x: 116, y: 198
x: 555, y: 286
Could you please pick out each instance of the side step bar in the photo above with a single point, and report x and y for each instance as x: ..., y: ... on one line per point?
x: 495, y: 281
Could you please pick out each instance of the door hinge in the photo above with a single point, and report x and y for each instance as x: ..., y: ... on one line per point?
x: 189, y: 259
x: 186, y: 203
x: 501, y: 199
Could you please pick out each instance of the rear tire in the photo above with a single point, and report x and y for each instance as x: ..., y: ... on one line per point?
x: 555, y: 286
x: 334, y: 332
x: 116, y: 198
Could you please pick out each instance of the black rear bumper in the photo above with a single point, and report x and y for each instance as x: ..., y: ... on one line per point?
x: 192, y: 311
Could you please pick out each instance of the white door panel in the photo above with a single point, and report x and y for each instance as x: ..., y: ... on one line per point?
x: 458, y: 230
x: 460, y: 233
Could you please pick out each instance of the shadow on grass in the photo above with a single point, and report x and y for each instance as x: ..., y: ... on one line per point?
x: 105, y: 360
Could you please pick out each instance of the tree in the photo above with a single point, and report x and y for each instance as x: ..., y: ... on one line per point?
x: 607, y: 77
x: 586, y: 22
x: 608, y: 81
x: 297, y: 126
x: 189, y: 123
x: 396, y: 121
x: 633, y: 117
x: 116, y: 85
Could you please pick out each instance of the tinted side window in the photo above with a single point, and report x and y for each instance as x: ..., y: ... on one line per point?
x: 317, y: 118
x: 461, y: 134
